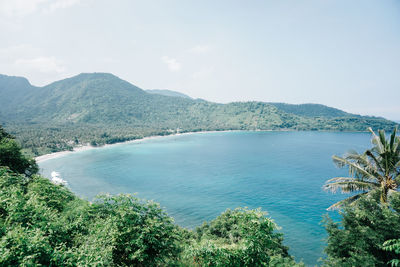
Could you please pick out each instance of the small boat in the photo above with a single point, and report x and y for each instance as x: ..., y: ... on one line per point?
x: 56, y: 179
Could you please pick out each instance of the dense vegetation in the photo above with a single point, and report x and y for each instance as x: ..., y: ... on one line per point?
x: 239, y: 238
x: 100, y: 108
x: 365, y: 226
x: 43, y: 224
x: 369, y: 232
x: 312, y: 110
x: 393, y: 245
x: 11, y: 156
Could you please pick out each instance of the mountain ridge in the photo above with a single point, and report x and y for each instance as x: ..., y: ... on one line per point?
x: 102, y: 108
x: 290, y: 108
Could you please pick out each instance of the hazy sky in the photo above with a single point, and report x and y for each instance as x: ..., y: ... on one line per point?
x: 344, y: 54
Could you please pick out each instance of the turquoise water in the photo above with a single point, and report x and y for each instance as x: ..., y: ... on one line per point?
x: 196, y: 177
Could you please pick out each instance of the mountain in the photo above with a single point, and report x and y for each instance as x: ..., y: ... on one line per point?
x: 12, y: 90
x: 311, y: 110
x: 102, y: 108
x: 167, y: 93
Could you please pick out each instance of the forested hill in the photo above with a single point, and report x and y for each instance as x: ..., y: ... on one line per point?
x: 102, y: 108
x: 312, y: 110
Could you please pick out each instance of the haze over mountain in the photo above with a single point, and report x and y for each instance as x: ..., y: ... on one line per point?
x: 102, y: 108
x: 167, y: 93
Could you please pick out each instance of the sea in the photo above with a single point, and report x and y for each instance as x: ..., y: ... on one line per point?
x: 196, y: 177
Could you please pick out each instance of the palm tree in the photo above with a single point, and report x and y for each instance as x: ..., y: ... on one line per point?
x: 375, y: 170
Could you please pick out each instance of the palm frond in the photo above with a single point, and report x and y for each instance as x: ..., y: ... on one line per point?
x: 376, y: 141
x: 392, y: 192
x: 397, y: 180
x: 375, y: 170
x: 382, y: 139
x: 340, y: 179
x: 348, y: 201
x: 354, y: 168
x: 393, y: 139
x: 372, y: 156
x: 350, y: 186
x: 396, y: 145
x: 360, y: 159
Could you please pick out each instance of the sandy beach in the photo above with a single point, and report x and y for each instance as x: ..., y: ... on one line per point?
x: 89, y: 147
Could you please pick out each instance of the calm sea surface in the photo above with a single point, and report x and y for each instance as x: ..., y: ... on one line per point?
x: 196, y: 177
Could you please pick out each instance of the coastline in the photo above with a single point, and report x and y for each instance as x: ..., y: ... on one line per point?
x: 89, y: 147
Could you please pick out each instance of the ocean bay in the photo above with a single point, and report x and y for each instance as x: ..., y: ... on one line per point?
x: 195, y: 177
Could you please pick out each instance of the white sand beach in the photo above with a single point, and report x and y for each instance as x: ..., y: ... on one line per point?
x: 88, y: 147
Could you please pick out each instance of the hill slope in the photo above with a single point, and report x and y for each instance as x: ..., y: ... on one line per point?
x: 311, y: 110
x: 101, y: 108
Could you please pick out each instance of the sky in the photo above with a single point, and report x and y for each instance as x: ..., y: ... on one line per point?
x: 344, y: 54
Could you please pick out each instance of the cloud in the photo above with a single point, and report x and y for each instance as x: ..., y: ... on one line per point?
x: 172, y: 63
x: 20, y: 8
x: 40, y: 64
x: 31, y: 62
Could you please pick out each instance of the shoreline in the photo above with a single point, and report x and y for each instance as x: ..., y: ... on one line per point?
x: 58, y: 154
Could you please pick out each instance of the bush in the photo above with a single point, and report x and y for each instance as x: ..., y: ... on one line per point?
x: 240, y: 237
x: 11, y: 156
x: 45, y: 224
x: 143, y: 233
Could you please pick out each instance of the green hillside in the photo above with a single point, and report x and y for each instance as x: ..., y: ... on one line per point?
x: 100, y: 108
x: 311, y: 110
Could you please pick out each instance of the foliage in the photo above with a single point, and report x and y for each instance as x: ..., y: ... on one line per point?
x: 240, y: 237
x: 143, y: 233
x: 312, y: 110
x: 45, y: 224
x: 11, y: 156
x: 394, y: 246
x: 357, y: 240
x: 375, y: 170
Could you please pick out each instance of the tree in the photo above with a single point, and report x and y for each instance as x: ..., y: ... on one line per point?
x: 11, y: 156
x: 241, y: 237
x: 357, y: 240
x: 4, y: 134
x: 375, y: 170
x: 42, y: 224
x: 142, y: 233
x: 393, y: 245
